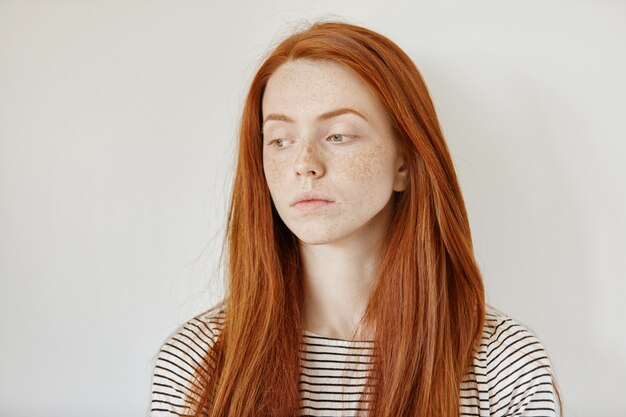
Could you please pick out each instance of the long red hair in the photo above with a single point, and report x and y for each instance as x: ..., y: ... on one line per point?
x: 428, y: 291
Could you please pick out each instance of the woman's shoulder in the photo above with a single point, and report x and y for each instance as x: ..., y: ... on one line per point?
x: 502, y: 332
x: 515, y: 367
x: 197, y: 335
x: 179, y: 358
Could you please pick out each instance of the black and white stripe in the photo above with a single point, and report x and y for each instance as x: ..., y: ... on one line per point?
x: 511, y: 374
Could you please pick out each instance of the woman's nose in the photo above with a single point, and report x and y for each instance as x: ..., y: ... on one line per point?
x: 309, y: 162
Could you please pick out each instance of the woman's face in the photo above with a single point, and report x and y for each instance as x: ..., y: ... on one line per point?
x: 312, y: 143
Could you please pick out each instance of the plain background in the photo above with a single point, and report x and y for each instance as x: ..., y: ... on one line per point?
x: 118, y: 124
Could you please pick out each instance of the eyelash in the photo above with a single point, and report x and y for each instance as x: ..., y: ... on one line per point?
x: 335, y: 134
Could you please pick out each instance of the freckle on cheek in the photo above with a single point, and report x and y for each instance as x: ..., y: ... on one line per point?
x: 364, y: 165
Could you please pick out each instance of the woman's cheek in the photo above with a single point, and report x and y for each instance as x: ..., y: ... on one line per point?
x: 272, y: 168
x: 368, y: 165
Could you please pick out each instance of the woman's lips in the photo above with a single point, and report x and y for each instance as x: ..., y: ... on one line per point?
x: 311, y: 205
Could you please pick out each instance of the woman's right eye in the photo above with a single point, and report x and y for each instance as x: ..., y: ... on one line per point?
x: 277, y: 141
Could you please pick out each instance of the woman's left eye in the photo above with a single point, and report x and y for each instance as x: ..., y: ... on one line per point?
x: 339, y: 135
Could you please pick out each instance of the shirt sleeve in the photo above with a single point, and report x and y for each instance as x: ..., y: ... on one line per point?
x: 173, y: 380
x: 519, y: 373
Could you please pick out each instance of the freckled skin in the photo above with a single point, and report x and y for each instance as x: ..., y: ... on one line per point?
x: 360, y: 175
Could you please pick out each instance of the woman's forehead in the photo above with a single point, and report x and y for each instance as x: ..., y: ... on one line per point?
x: 305, y: 88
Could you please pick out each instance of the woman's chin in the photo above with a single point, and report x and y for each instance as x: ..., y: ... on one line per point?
x: 325, y: 235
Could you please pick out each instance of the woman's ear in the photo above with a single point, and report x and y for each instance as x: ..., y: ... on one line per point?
x: 401, y: 180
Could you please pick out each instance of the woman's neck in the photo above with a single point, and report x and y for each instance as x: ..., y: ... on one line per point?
x: 338, y: 279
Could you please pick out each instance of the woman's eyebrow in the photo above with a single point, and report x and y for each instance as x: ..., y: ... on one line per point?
x: 324, y: 116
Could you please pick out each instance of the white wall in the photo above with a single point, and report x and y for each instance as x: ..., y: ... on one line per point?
x: 117, y: 129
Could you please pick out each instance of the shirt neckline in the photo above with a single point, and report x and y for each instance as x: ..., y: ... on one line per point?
x: 331, y: 341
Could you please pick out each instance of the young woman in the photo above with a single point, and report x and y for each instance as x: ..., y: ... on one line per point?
x: 352, y: 284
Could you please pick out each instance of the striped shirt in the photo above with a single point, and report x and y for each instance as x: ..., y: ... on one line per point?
x: 511, y: 374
